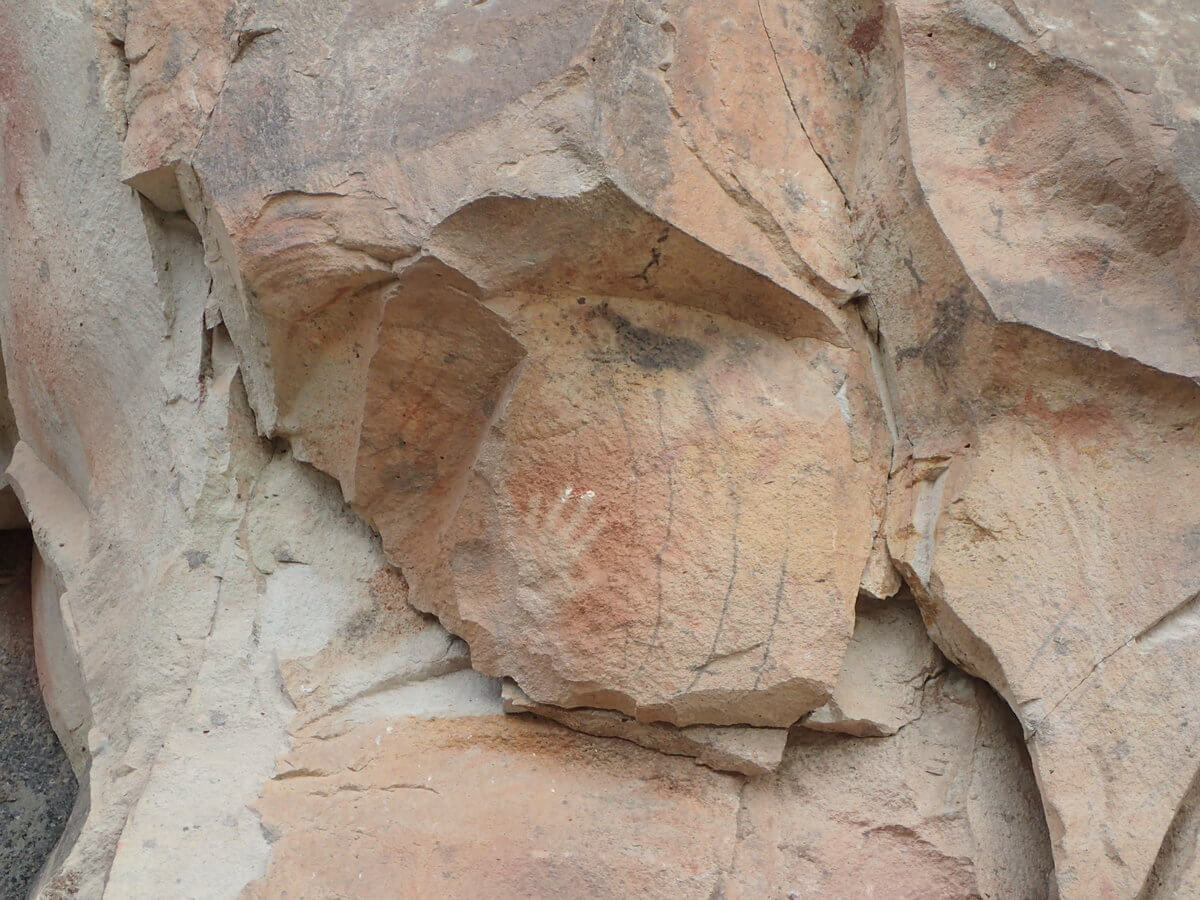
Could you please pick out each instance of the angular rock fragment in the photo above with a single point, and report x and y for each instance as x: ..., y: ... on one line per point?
x: 887, y: 665
x: 631, y: 459
x: 948, y: 807
x: 747, y: 751
x: 633, y: 506
x: 516, y: 807
x: 1064, y: 213
x: 1040, y: 544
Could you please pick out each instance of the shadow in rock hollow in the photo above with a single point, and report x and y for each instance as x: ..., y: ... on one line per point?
x: 37, y: 786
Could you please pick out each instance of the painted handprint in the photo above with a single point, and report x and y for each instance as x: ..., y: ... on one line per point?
x: 559, y: 533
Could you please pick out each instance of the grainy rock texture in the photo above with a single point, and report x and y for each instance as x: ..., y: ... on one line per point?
x: 749, y: 751
x: 886, y: 668
x: 805, y: 389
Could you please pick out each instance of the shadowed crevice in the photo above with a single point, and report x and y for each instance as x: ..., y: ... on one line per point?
x: 37, y: 786
x: 1176, y: 870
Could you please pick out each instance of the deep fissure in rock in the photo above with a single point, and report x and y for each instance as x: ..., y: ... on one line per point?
x: 37, y: 786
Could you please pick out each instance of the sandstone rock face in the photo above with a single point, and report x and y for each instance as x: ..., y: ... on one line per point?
x: 943, y: 810
x: 748, y: 751
x: 1046, y: 553
x: 550, y: 391
x: 655, y: 357
x: 889, y: 662
x: 644, y: 512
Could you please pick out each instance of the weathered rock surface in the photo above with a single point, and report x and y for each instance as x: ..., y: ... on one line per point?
x: 1046, y: 519
x: 360, y: 354
x: 746, y: 751
x: 551, y: 387
x: 887, y: 665
x: 945, y: 809
x: 433, y: 805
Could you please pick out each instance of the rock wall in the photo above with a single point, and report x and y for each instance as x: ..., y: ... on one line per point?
x: 443, y: 424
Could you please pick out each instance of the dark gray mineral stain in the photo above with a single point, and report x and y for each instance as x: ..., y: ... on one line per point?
x: 37, y: 787
x: 652, y: 349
